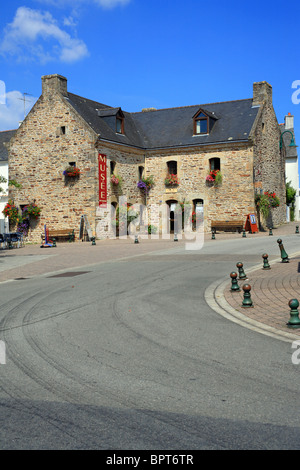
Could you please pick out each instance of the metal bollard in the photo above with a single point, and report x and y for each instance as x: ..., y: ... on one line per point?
x: 283, y: 253
x: 294, y: 321
x: 247, y: 301
x: 244, y: 233
x: 234, y: 284
x: 242, y: 274
x: 93, y: 241
x: 175, y: 237
x: 136, y: 239
x: 266, y: 262
x: 297, y: 229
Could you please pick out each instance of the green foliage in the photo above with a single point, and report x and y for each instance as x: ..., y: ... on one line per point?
x: 290, y: 193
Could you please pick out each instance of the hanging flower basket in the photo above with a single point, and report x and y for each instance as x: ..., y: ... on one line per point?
x: 11, y: 211
x: 32, y: 210
x: 71, y: 172
x: 145, y: 184
x: 214, y: 177
x: 171, y: 180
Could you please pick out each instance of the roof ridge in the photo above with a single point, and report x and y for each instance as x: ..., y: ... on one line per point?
x: 88, y: 99
x: 194, y: 105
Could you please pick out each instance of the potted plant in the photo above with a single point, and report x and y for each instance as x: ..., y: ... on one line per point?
x: 171, y: 180
x: 145, y: 184
x: 32, y: 210
x: 71, y: 172
x: 266, y: 201
x: 11, y: 211
x: 116, y: 180
x: 214, y: 177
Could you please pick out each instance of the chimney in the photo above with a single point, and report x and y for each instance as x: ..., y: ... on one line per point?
x: 262, y: 93
x: 289, y: 121
x: 54, y: 83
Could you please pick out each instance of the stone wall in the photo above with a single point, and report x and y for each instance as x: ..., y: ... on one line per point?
x: 269, y: 161
x: 232, y: 200
x: 51, y: 137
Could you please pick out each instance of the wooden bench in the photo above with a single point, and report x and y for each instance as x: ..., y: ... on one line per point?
x: 227, y: 225
x: 60, y: 233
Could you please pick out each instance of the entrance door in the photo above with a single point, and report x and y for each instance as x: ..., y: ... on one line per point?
x: 172, y: 207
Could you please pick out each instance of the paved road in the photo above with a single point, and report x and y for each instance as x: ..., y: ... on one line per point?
x: 129, y: 355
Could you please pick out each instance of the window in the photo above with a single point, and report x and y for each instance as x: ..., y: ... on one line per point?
x: 214, y: 164
x: 172, y: 167
x: 112, y: 167
x: 200, y: 124
x: 63, y: 130
x: 119, y: 125
x: 141, y: 172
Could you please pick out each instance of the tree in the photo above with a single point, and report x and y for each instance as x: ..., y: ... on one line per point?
x: 10, y: 183
x: 290, y: 198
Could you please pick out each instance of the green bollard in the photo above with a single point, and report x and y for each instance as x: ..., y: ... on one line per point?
x: 297, y: 229
x: 136, y: 239
x: 244, y: 233
x: 247, y: 301
x: 270, y: 231
x: 213, y: 236
x: 93, y: 241
x: 266, y: 262
x: 175, y: 237
x: 283, y: 253
x: 234, y: 284
x: 242, y: 274
x: 54, y: 243
x: 294, y: 321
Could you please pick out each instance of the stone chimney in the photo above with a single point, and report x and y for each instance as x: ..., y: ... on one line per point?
x: 289, y: 121
x: 54, y: 83
x: 262, y: 93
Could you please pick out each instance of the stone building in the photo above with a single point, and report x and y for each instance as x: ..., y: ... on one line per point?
x: 238, y: 138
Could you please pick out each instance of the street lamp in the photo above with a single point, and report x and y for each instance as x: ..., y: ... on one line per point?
x: 292, y: 144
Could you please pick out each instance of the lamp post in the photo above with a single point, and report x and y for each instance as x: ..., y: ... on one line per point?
x: 292, y: 144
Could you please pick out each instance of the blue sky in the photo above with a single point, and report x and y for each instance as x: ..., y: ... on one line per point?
x: 150, y: 53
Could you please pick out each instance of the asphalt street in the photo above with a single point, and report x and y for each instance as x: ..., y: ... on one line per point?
x: 129, y: 355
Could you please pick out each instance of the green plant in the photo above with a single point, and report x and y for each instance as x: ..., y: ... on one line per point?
x: 145, y: 184
x: 32, y: 210
x: 152, y: 229
x: 264, y: 202
x: 116, y: 180
x: 10, y: 183
x: 171, y: 180
x: 71, y: 171
x: 11, y: 211
x: 290, y: 193
x: 215, y: 177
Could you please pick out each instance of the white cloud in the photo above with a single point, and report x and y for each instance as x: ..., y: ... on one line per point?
x: 36, y: 35
x: 74, y: 3
x: 111, y: 3
x: 12, y: 109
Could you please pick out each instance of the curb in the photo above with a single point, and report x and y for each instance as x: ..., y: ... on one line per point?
x: 214, y: 297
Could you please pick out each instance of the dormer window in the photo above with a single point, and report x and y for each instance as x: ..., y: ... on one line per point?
x: 201, y: 123
x: 119, y: 125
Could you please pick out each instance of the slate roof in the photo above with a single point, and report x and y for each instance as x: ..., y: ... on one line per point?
x: 5, y: 136
x: 172, y: 127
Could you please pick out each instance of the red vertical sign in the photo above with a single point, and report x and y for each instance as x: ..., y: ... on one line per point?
x: 102, y: 180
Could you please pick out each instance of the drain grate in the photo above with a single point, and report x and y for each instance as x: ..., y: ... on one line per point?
x: 70, y: 274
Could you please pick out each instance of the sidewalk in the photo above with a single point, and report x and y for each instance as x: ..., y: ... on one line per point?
x: 271, y: 290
